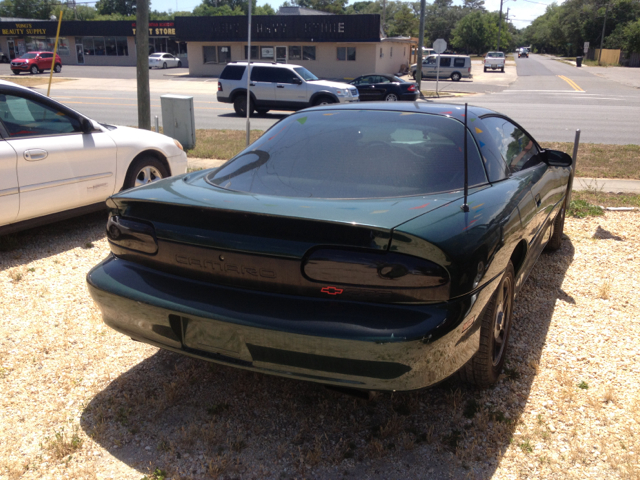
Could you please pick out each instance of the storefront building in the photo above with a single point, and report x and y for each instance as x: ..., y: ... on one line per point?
x: 89, y: 43
x: 331, y: 46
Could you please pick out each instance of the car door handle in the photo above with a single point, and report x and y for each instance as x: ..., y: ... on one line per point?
x: 538, y: 199
x: 280, y: 86
x: 35, y: 154
x: 252, y: 84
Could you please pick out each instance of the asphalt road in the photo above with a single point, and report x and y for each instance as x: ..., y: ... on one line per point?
x: 549, y: 98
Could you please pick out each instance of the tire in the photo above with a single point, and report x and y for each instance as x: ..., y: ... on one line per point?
x: 261, y: 111
x: 164, y: 66
x: 413, y: 75
x: 144, y: 170
x: 179, y: 64
x: 555, y: 242
x: 484, y: 368
x: 5, y: 59
x: 502, y: 69
x: 34, y: 69
x: 485, y: 69
x: 57, y: 68
x: 455, y: 76
x: 16, y: 72
x: 391, y: 97
x: 240, y: 106
x: 323, y: 101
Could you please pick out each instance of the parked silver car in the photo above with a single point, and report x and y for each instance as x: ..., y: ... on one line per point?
x: 454, y: 67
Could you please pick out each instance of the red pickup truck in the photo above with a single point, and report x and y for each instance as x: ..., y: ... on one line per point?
x: 35, y: 62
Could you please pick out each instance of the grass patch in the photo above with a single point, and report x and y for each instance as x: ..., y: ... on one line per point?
x: 598, y: 160
x: 221, y: 144
x: 583, y: 209
x: 33, y: 80
x: 606, y: 199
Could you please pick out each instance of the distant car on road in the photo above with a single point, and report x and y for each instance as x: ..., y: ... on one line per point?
x: 494, y: 61
x: 523, y: 53
x: 381, y: 86
x: 55, y: 163
x: 164, y: 60
x: 35, y: 62
x: 3, y: 57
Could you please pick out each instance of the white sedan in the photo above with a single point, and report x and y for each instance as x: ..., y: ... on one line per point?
x: 56, y: 163
x: 163, y: 60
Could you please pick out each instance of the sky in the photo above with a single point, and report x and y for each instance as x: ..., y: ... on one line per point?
x: 521, y: 12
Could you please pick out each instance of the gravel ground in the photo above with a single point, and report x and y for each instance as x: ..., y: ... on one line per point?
x: 78, y: 400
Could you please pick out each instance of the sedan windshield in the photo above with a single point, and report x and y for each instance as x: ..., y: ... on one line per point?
x: 29, y: 55
x: 354, y: 154
x: 306, y: 74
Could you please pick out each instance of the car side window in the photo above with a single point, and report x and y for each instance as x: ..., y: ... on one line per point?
x: 46, y: 55
x: 445, y: 61
x: 382, y: 80
x: 283, y: 75
x: 23, y: 117
x: 264, y: 74
x: 516, y: 147
x: 458, y: 62
x: 431, y: 61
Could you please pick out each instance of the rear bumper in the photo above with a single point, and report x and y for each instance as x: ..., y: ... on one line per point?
x: 350, y: 344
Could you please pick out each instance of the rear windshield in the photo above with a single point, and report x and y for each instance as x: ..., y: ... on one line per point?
x: 232, y: 72
x: 354, y: 154
x: 155, y: 55
x: 495, y: 54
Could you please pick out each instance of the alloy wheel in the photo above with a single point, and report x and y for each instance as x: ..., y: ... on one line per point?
x: 146, y: 175
x: 504, y: 305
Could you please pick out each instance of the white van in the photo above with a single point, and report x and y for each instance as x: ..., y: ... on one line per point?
x: 454, y: 67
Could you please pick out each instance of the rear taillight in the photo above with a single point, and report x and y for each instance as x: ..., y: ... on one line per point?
x: 412, y: 88
x: 469, y: 70
x: 219, y: 87
x: 353, y: 267
x: 132, y: 234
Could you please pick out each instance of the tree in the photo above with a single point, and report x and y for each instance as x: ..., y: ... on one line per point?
x: 476, y: 32
x: 122, y: 7
x: 632, y: 37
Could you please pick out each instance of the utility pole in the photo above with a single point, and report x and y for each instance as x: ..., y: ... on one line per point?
x: 384, y: 17
x: 420, y: 44
x: 499, y: 27
x: 142, y: 64
x: 604, y: 24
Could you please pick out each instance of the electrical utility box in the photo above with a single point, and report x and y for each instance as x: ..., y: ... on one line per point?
x: 178, y: 119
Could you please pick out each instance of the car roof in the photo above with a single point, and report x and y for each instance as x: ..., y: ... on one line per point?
x: 388, y: 75
x: 264, y: 64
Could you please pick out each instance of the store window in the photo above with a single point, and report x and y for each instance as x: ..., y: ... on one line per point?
x: 295, y: 53
x: 254, y: 52
x: 209, y: 55
x: 308, y: 53
x: 267, y: 53
x: 224, y: 54
x: 348, y: 53
x: 112, y: 46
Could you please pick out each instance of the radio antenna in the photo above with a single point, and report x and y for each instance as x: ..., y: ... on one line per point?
x: 465, y: 206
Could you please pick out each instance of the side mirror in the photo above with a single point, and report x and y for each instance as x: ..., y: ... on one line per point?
x: 556, y: 158
x: 297, y: 81
x: 86, y: 125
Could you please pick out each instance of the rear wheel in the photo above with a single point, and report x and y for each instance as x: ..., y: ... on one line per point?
x: 240, y: 106
x: 392, y: 97
x: 164, y: 65
x: 455, y: 76
x: 485, y: 69
x: 485, y: 366
x: 413, y: 75
x: 5, y: 59
x: 57, y: 68
x: 179, y: 64
x: 34, y: 69
x: 555, y: 242
x: 324, y: 101
x: 145, y: 170
x: 502, y: 69
x: 262, y: 111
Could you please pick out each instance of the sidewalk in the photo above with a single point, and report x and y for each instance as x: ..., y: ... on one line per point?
x: 625, y: 75
x: 607, y: 185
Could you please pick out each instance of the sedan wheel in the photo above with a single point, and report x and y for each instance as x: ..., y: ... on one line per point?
x: 34, y: 70
x: 57, y: 68
x: 145, y: 170
x: 392, y: 97
x: 164, y: 65
x: 179, y: 64
x: 485, y: 366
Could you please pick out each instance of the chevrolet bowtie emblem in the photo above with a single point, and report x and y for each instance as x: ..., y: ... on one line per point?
x: 332, y: 290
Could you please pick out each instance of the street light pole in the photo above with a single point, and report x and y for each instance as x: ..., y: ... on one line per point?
x: 500, y: 22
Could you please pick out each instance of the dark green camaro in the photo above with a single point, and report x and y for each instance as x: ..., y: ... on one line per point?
x: 338, y: 248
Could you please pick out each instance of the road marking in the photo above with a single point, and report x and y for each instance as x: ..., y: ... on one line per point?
x: 573, y: 84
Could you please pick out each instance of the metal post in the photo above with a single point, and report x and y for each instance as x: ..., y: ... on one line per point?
x: 576, y: 142
x: 499, y: 27
x: 248, y: 141
x: 142, y: 64
x: 55, y: 51
x: 157, y: 125
x: 421, y: 43
x: 437, y: 74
